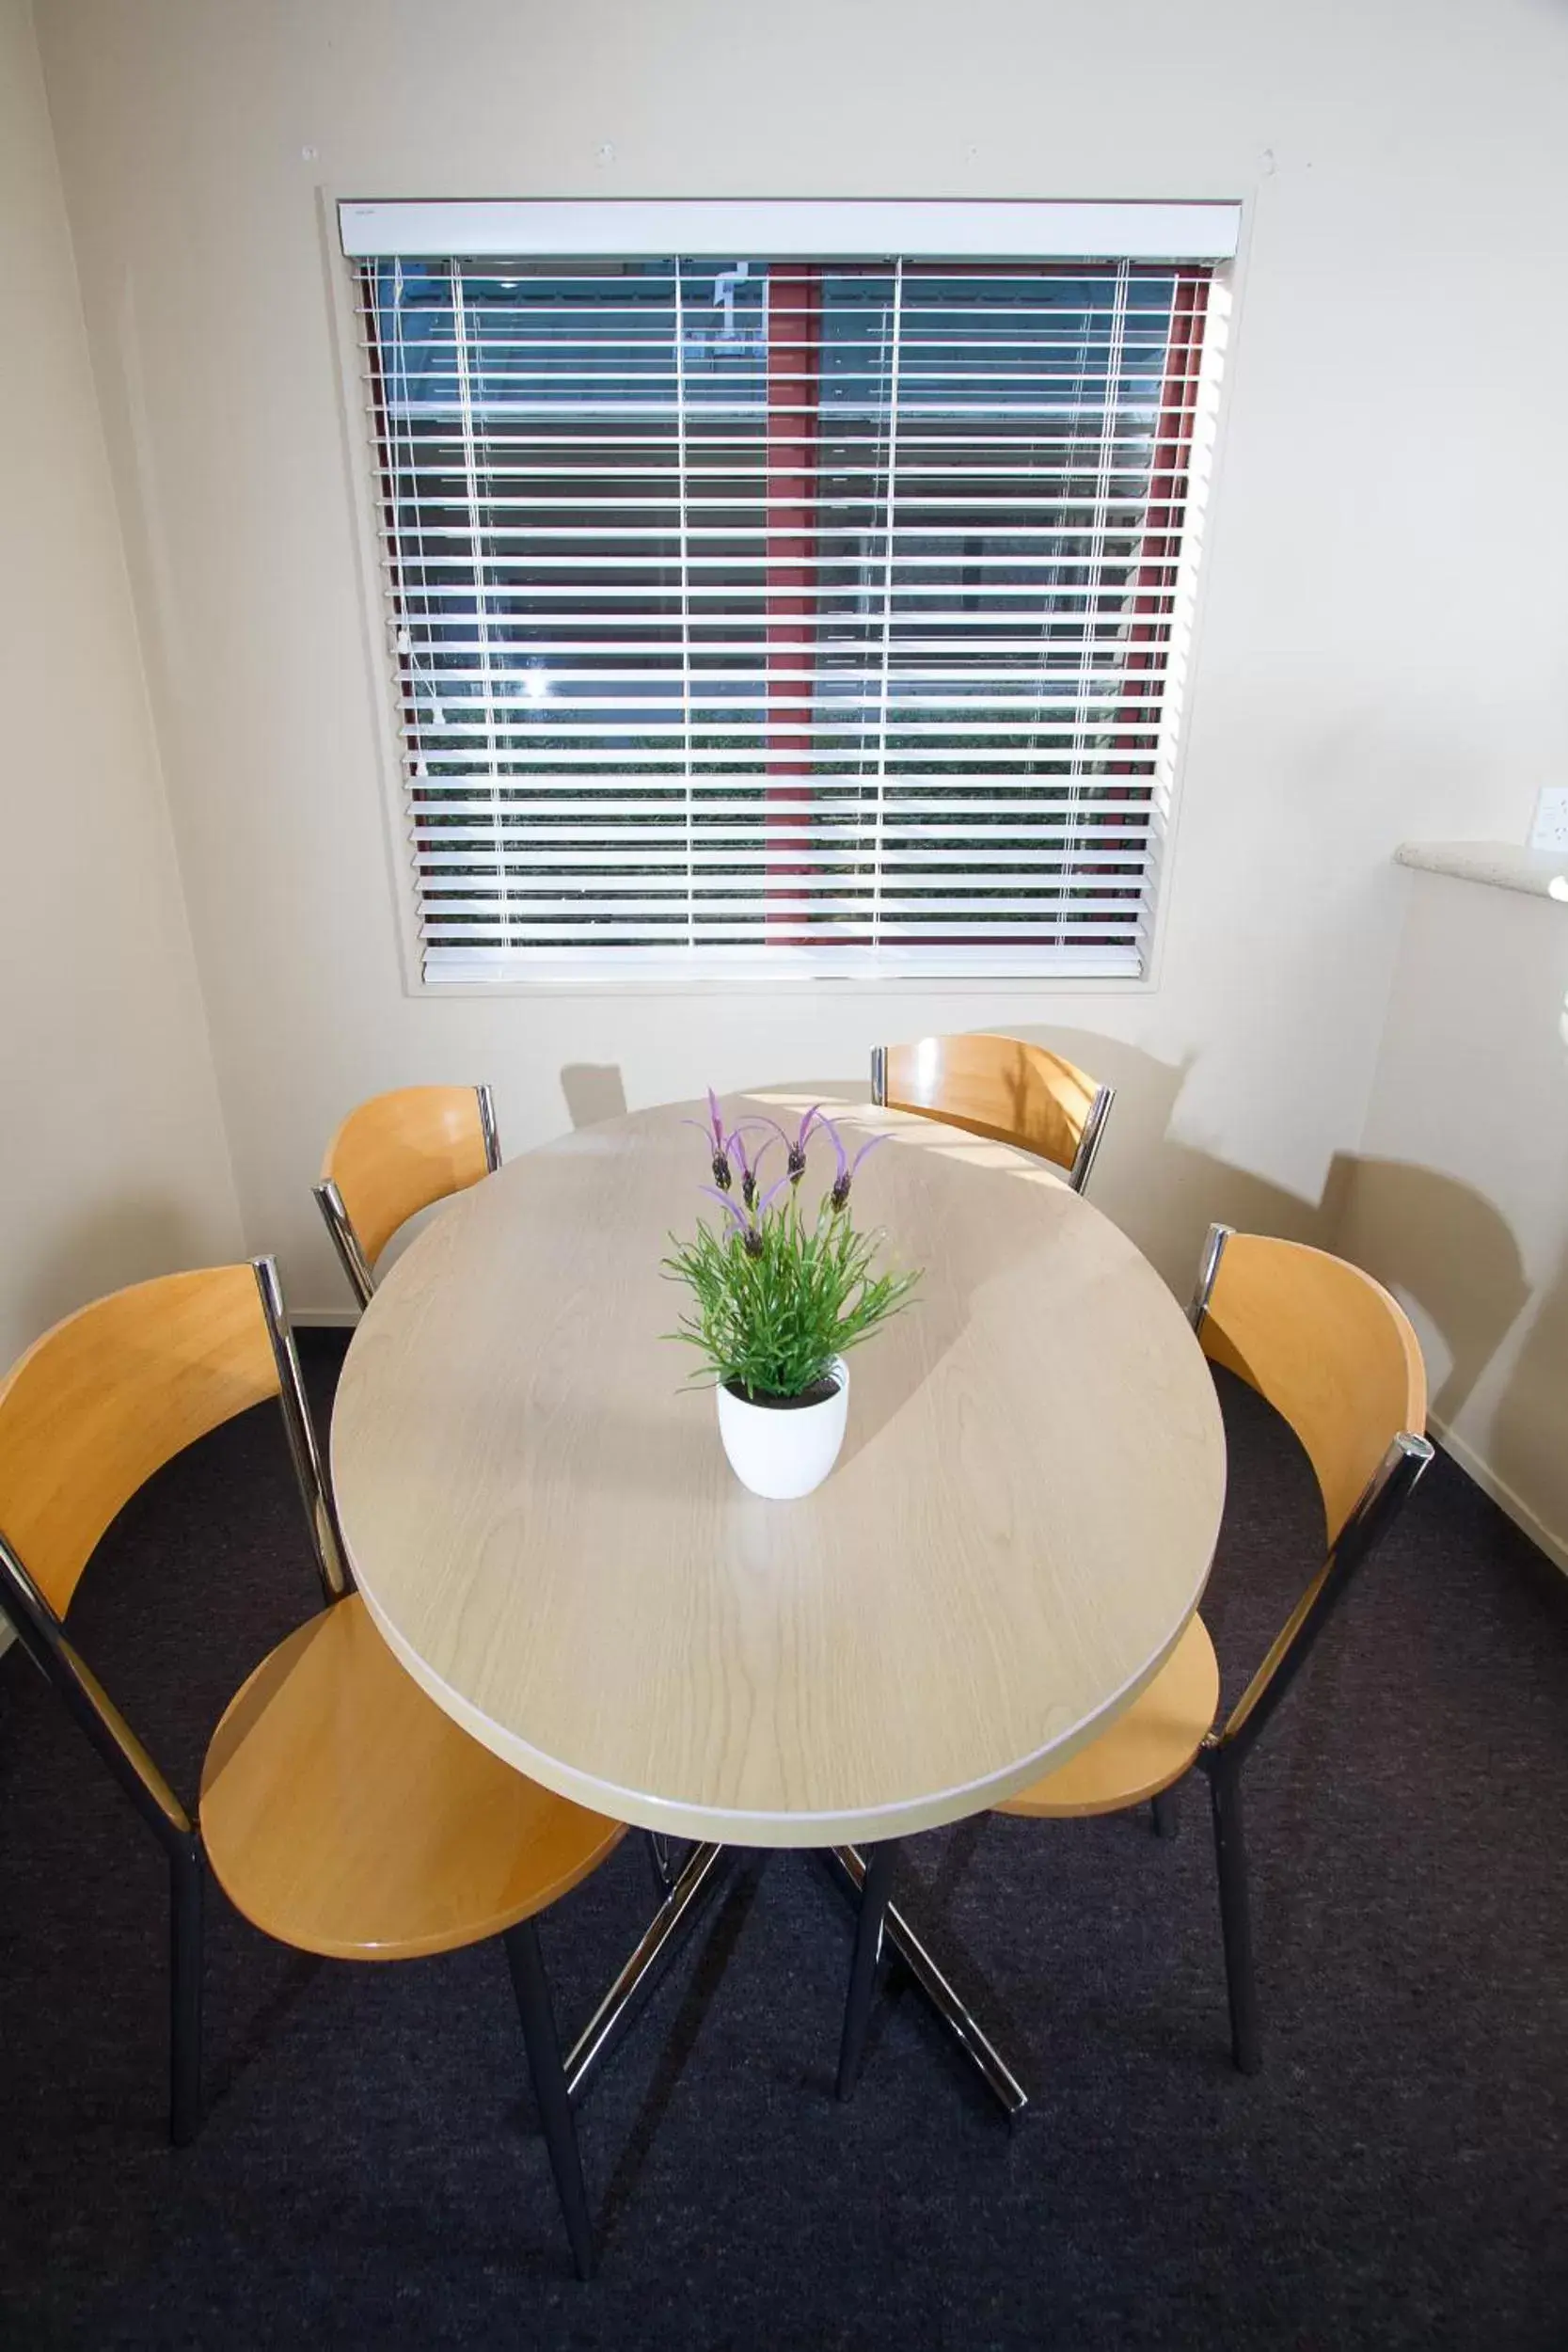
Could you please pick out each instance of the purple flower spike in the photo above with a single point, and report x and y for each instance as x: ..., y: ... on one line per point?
x: 735, y: 1149
x: 749, y: 1221
x: 726, y: 1202
x: 795, y: 1146
x: 714, y: 1132
x: 748, y: 1224
x: 839, y: 1196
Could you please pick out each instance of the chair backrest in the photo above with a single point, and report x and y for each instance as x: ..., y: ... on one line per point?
x: 1002, y: 1087
x: 392, y: 1157
x: 92, y: 1409
x: 1337, y: 1358
x: 1327, y: 1346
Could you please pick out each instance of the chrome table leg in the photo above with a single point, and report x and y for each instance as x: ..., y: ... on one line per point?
x: 662, y: 1851
x: 999, y: 2077
x: 703, y: 1865
x: 876, y: 1882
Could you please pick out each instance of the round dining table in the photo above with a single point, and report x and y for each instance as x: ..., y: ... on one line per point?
x: 541, y: 1519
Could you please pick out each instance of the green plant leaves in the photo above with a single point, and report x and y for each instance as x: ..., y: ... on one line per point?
x: 770, y: 1314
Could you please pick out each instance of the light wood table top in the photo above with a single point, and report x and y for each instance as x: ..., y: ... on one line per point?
x: 545, y: 1527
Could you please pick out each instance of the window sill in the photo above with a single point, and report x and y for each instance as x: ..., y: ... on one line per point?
x: 754, y: 984
x: 1502, y: 865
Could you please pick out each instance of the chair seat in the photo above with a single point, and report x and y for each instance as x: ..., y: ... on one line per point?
x: 1145, y: 1750
x: 344, y: 1813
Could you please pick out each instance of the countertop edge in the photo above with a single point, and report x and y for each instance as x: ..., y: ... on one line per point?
x: 1503, y: 864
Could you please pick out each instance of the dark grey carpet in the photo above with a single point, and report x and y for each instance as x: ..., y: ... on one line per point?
x: 368, y: 2172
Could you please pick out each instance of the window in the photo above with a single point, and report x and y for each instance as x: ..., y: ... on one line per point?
x: 818, y: 616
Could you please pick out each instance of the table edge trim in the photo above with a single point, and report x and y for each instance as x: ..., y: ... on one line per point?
x: 735, y: 1826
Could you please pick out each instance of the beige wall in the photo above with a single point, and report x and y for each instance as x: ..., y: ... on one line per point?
x: 1460, y: 1201
x: 1383, y: 636
x: 113, y: 1164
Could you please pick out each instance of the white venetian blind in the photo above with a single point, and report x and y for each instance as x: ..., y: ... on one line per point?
x: 815, y: 614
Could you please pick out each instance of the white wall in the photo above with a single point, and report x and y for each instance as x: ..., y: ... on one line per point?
x: 1382, y: 644
x: 113, y: 1164
x: 1460, y: 1199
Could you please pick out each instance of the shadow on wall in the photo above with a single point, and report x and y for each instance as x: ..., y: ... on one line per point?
x: 118, y: 1242
x: 593, y: 1091
x: 1525, y: 1444
x: 1166, y: 1193
x: 1442, y: 1244
x: 1449, y: 1251
x: 1439, y: 1241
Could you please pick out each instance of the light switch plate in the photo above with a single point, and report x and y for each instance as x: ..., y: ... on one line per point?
x: 1551, y: 818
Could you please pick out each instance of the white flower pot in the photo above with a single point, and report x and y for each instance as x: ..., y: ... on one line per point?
x: 783, y: 1450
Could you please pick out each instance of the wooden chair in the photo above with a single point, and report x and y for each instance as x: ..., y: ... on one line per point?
x: 86, y: 1416
x: 392, y: 1157
x: 1336, y: 1356
x: 340, y: 1810
x: 1001, y: 1087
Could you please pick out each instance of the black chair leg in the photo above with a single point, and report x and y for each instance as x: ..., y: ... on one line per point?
x: 875, y: 1892
x: 186, y: 1878
x: 1166, y: 1812
x: 1224, y: 1793
x: 549, y: 2088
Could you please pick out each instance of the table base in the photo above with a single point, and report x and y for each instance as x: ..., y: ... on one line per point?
x: 613, y: 2014
x: 849, y: 1868
x: 700, y: 1873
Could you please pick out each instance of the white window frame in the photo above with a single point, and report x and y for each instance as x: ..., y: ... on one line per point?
x: 1209, y: 232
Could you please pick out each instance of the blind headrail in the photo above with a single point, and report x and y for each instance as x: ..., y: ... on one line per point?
x: 814, y: 229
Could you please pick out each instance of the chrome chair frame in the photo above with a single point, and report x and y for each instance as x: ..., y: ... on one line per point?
x: 1091, y: 1139
x: 340, y: 1225
x: 1078, y: 1175
x: 345, y: 1241
x: 43, y: 1635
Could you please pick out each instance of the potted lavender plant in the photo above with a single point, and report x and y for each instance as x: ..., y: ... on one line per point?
x: 780, y: 1294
